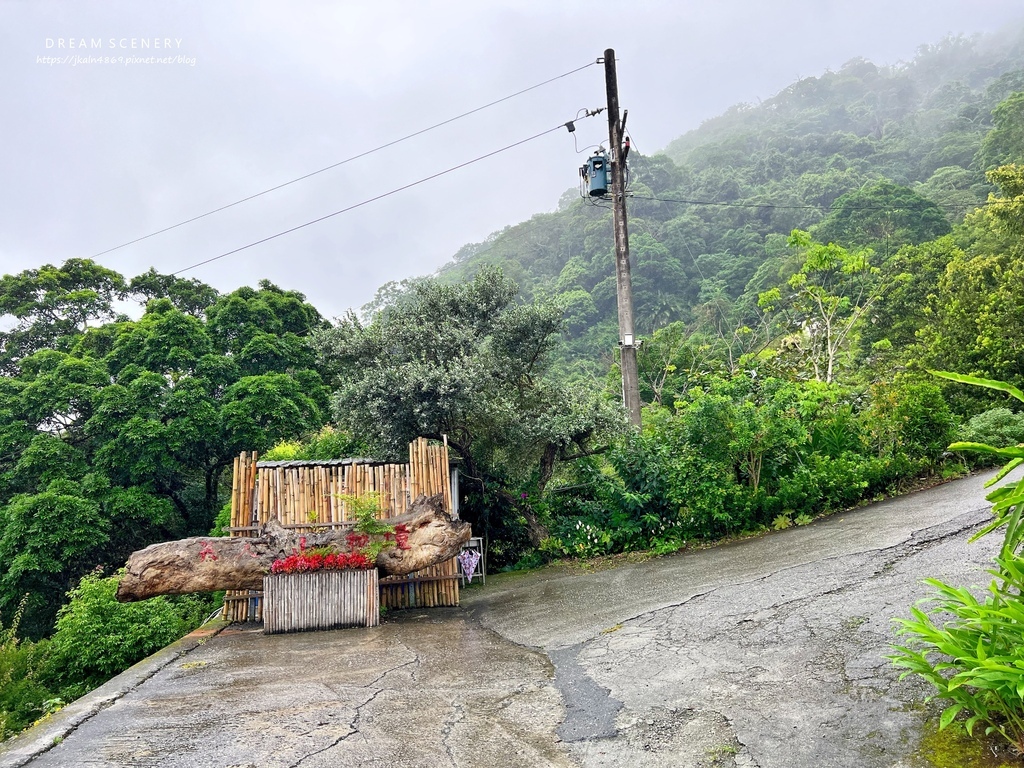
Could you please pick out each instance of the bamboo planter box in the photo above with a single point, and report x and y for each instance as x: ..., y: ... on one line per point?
x: 300, y: 602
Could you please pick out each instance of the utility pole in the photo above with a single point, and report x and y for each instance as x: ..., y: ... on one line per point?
x: 623, y: 282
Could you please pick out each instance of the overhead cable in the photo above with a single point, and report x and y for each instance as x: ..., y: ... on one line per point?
x: 343, y: 162
x: 559, y: 127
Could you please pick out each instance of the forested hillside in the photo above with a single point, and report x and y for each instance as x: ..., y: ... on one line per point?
x: 875, y: 156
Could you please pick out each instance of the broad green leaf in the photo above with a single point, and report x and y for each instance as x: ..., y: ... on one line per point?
x: 1008, y: 502
x: 1000, y: 493
x: 1011, y: 452
x: 979, y: 382
x: 948, y: 714
x: 1007, y: 469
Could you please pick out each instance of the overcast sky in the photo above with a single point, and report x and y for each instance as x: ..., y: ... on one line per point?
x: 257, y: 93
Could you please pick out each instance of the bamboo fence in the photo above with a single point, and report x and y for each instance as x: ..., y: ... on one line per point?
x: 307, y: 496
x: 295, y: 602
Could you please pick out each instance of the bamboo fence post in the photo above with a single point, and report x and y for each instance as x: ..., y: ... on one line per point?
x: 251, y: 491
x: 273, y: 488
x: 329, y: 493
x: 281, y: 477
x: 318, y: 512
x: 282, y: 494
x: 234, y: 493
x: 309, y: 508
x: 421, y: 479
x: 332, y: 491
x: 347, y: 491
x: 421, y: 457
x: 411, y: 472
x: 447, y: 465
x: 424, y: 464
x: 296, y: 494
x: 293, y: 482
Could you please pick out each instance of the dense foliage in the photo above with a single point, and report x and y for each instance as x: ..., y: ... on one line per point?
x: 95, y: 638
x: 117, y: 434
x: 745, y: 453
x: 468, y: 362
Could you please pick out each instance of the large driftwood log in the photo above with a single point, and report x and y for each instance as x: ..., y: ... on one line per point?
x: 208, y: 564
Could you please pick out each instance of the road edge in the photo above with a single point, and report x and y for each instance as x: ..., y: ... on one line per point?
x: 48, y: 733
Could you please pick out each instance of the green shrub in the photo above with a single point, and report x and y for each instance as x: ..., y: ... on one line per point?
x: 745, y: 454
x: 999, y: 427
x: 836, y: 433
x: 840, y: 481
x: 222, y: 521
x: 977, y: 660
x: 97, y: 637
x: 328, y: 443
x: 799, y: 492
x: 579, y: 538
x: 972, y: 650
x: 909, y: 420
x: 22, y: 696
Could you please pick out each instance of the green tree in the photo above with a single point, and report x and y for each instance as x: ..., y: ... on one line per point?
x: 906, y: 286
x: 189, y: 295
x: 469, y: 362
x: 53, y: 304
x: 121, y: 435
x: 1007, y: 209
x: 977, y: 310
x: 264, y: 329
x: 1004, y: 144
x: 882, y: 216
x: 829, y: 294
x: 48, y: 539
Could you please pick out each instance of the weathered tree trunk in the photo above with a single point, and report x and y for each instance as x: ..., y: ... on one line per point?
x: 208, y: 564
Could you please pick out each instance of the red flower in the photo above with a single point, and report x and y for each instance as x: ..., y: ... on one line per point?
x: 314, y: 560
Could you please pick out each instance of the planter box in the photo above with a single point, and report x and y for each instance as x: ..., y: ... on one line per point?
x: 299, y: 602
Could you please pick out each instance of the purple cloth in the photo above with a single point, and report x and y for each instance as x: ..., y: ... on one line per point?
x: 469, y: 559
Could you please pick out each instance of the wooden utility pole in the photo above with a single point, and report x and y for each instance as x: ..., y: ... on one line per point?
x: 623, y: 282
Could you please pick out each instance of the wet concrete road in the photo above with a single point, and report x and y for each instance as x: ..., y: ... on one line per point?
x: 763, y: 653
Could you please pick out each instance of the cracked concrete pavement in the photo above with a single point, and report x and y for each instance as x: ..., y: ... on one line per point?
x: 764, y: 653
x: 426, y: 689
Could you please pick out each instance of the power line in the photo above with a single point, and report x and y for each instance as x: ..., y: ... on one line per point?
x: 343, y: 162
x: 727, y: 204
x: 560, y: 126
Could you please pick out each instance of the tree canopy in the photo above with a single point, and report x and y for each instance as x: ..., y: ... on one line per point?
x: 116, y: 433
x: 466, y: 361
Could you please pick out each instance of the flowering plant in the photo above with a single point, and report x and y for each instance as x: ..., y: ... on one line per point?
x: 365, y: 541
x: 321, y: 559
